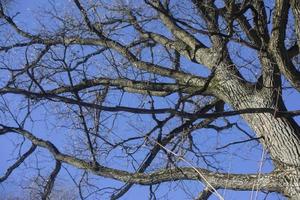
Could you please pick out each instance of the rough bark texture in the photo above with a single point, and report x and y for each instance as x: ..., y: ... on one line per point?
x: 149, y: 62
x: 279, y: 135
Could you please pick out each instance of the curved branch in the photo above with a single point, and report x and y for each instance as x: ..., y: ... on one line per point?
x: 295, y: 4
x: 50, y: 181
x: 18, y: 162
x: 277, y: 46
x: 54, y: 97
x: 173, y: 27
x: 266, y: 182
x: 109, y: 43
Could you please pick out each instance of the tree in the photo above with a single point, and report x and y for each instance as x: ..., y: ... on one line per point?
x: 96, y: 84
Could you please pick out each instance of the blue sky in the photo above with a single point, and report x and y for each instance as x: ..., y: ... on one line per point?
x: 248, y: 162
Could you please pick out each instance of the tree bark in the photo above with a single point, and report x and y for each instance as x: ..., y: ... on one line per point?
x: 296, y: 12
x: 280, y: 135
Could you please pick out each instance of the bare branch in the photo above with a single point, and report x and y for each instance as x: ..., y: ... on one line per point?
x: 18, y: 162
x: 277, y: 46
x: 205, y: 194
x: 50, y: 181
x: 268, y: 182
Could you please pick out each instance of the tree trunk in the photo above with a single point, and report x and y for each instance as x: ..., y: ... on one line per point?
x: 280, y: 136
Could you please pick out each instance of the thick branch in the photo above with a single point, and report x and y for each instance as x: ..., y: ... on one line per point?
x: 155, y: 89
x: 205, y: 194
x: 277, y: 46
x: 296, y: 12
x: 266, y: 182
x: 174, y: 28
x: 196, y: 49
x: 107, y: 42
x: 54, y: 97
x: 50, y: 181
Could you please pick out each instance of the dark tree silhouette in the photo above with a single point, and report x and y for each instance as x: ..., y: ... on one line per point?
x: 126, y: 90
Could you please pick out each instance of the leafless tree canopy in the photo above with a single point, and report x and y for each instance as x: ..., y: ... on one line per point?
x: 114, y: 94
